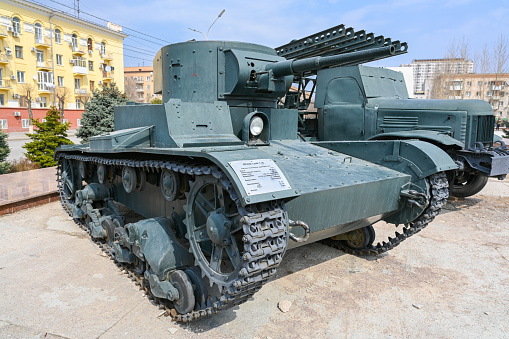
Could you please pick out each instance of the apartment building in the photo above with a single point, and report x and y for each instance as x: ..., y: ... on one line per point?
x: 139, y: 84
x: 424, y: 70
x: 44, y: 51
x: 493, y: 88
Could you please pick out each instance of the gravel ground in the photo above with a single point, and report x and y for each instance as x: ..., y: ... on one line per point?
x: 449, y: 281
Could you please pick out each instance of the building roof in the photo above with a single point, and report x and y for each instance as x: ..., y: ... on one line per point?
x: 441, y: 60
x: 67, y: 17
x: 138, y: 69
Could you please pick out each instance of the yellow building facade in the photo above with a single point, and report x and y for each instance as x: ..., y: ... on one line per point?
x: 46, y: 51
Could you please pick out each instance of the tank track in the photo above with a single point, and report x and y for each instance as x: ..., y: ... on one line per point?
x: 439, y: 194
x: 259, y: 238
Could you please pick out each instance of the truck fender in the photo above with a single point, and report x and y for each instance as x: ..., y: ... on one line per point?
x: 430, y: 136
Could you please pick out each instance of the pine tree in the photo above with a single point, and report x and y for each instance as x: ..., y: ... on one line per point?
x: 98, y: 115
x: 46, y: 138
x: 4, y: 152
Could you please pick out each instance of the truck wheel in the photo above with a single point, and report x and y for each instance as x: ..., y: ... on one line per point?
x: 468, y: 184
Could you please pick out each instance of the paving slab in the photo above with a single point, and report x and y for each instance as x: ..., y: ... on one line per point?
x: 449, y: 281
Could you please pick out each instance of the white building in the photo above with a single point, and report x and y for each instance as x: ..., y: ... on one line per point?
x: 424, y: 70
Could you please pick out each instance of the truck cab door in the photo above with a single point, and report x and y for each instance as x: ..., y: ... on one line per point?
x: 342, y: 116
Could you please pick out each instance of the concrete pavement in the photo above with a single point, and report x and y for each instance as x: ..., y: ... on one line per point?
x: 449, y: 281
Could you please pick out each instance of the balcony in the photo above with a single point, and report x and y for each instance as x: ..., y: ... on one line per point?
x: 456, y: 88
x: 140, y: 90
x: 5, y: 85
x: 3, y: 32
x: 496, y: 88
x: 45, y: 87
x: 78, y: 50
x: 79, y: 66
x: 495, y: 97
x: 3, y: 59
x: 108, y: 75
x: 80, y: 91
x: 44, y: 65
x: 107, y: 56
x: 42, y: 42
x: 139, y: 82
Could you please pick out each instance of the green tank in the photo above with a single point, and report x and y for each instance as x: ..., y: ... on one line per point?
x: 222, y: 185
x: 356, y: 103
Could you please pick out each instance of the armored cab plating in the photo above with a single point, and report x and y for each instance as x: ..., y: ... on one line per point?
x: 224, y: 185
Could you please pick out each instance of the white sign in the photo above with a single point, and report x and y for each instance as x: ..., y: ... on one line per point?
x: 260, y: 176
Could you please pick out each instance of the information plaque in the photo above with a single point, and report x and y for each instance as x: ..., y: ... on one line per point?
x: 260, y: 176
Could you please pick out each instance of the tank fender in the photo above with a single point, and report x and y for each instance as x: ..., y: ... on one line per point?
x: 417, y: 158
x: 497, y: 138
x: 154, y: 241
x: 431, y: 136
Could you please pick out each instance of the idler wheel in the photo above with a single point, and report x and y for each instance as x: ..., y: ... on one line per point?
x: 360, y: 238
x: 82, y: 167
x: 185, y: 302
x: 103, y: 173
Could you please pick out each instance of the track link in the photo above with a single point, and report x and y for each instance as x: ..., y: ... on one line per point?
x: 263, y: 225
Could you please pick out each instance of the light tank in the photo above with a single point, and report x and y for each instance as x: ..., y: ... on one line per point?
x: 223, y: 185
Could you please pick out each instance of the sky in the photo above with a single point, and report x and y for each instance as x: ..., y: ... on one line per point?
x: 428, y: 26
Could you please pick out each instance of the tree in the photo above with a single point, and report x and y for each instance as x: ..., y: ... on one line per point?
x: 4, y: 152
x: 28, y: 92
x: 62, y: 95
x: 156, y: 101
x: 130, y: 88
x: 47, y: 137
x: 98, y: 115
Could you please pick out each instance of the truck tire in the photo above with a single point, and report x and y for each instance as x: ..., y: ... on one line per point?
x: 468, y: 185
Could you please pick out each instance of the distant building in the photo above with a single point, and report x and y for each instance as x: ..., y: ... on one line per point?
x: 493, y: 88
x: 44, y: 49
x: 139, y: 83
x: 424, y: 70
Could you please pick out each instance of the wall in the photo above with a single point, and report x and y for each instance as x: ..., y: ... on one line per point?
x: 14, y: 124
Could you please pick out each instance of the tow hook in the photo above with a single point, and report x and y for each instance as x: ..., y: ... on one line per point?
x: 302, y: 224
x: 416, y: 198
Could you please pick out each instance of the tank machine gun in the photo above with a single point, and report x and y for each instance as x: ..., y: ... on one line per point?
x: 356, y: 102
x: 225, y: 186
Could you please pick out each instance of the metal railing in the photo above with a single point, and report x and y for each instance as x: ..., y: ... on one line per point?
x: 5, y: 83
x: 80, y: 91
x: 106, y: 55
x: 79, y: 62
x: 108, y: 74
x: 42, y: 41
x: 44, y: 64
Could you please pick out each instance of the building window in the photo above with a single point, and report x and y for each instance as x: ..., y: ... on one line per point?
x: 44, y: 102
x: 60, y: 81
x: 148, y: 87
x: 44, y: 80
x: 148, y: 78
x: 16, y: 25
x: 58, y: 36
x: 78, y: 103
x: 40, y: 56
x: 60, y: 60
x: 2, y: 102
x: 21, y: 77
x: 78, y: 122
x: 65, y: 121
x: 469, y: 83
x: 140, y: 95
x: 90, y: 65
x: 74, y: 40
x: 39, y: 38
x: 103, y: 48
x: 3, y: 123
x: 77, y: 83
x: 467, y: 94
x: 477, y: 93
x: 18, y: 51
x: 90, y: 45
x: 92, y: 85
x: 25, y: 123
x: 125, y: 78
